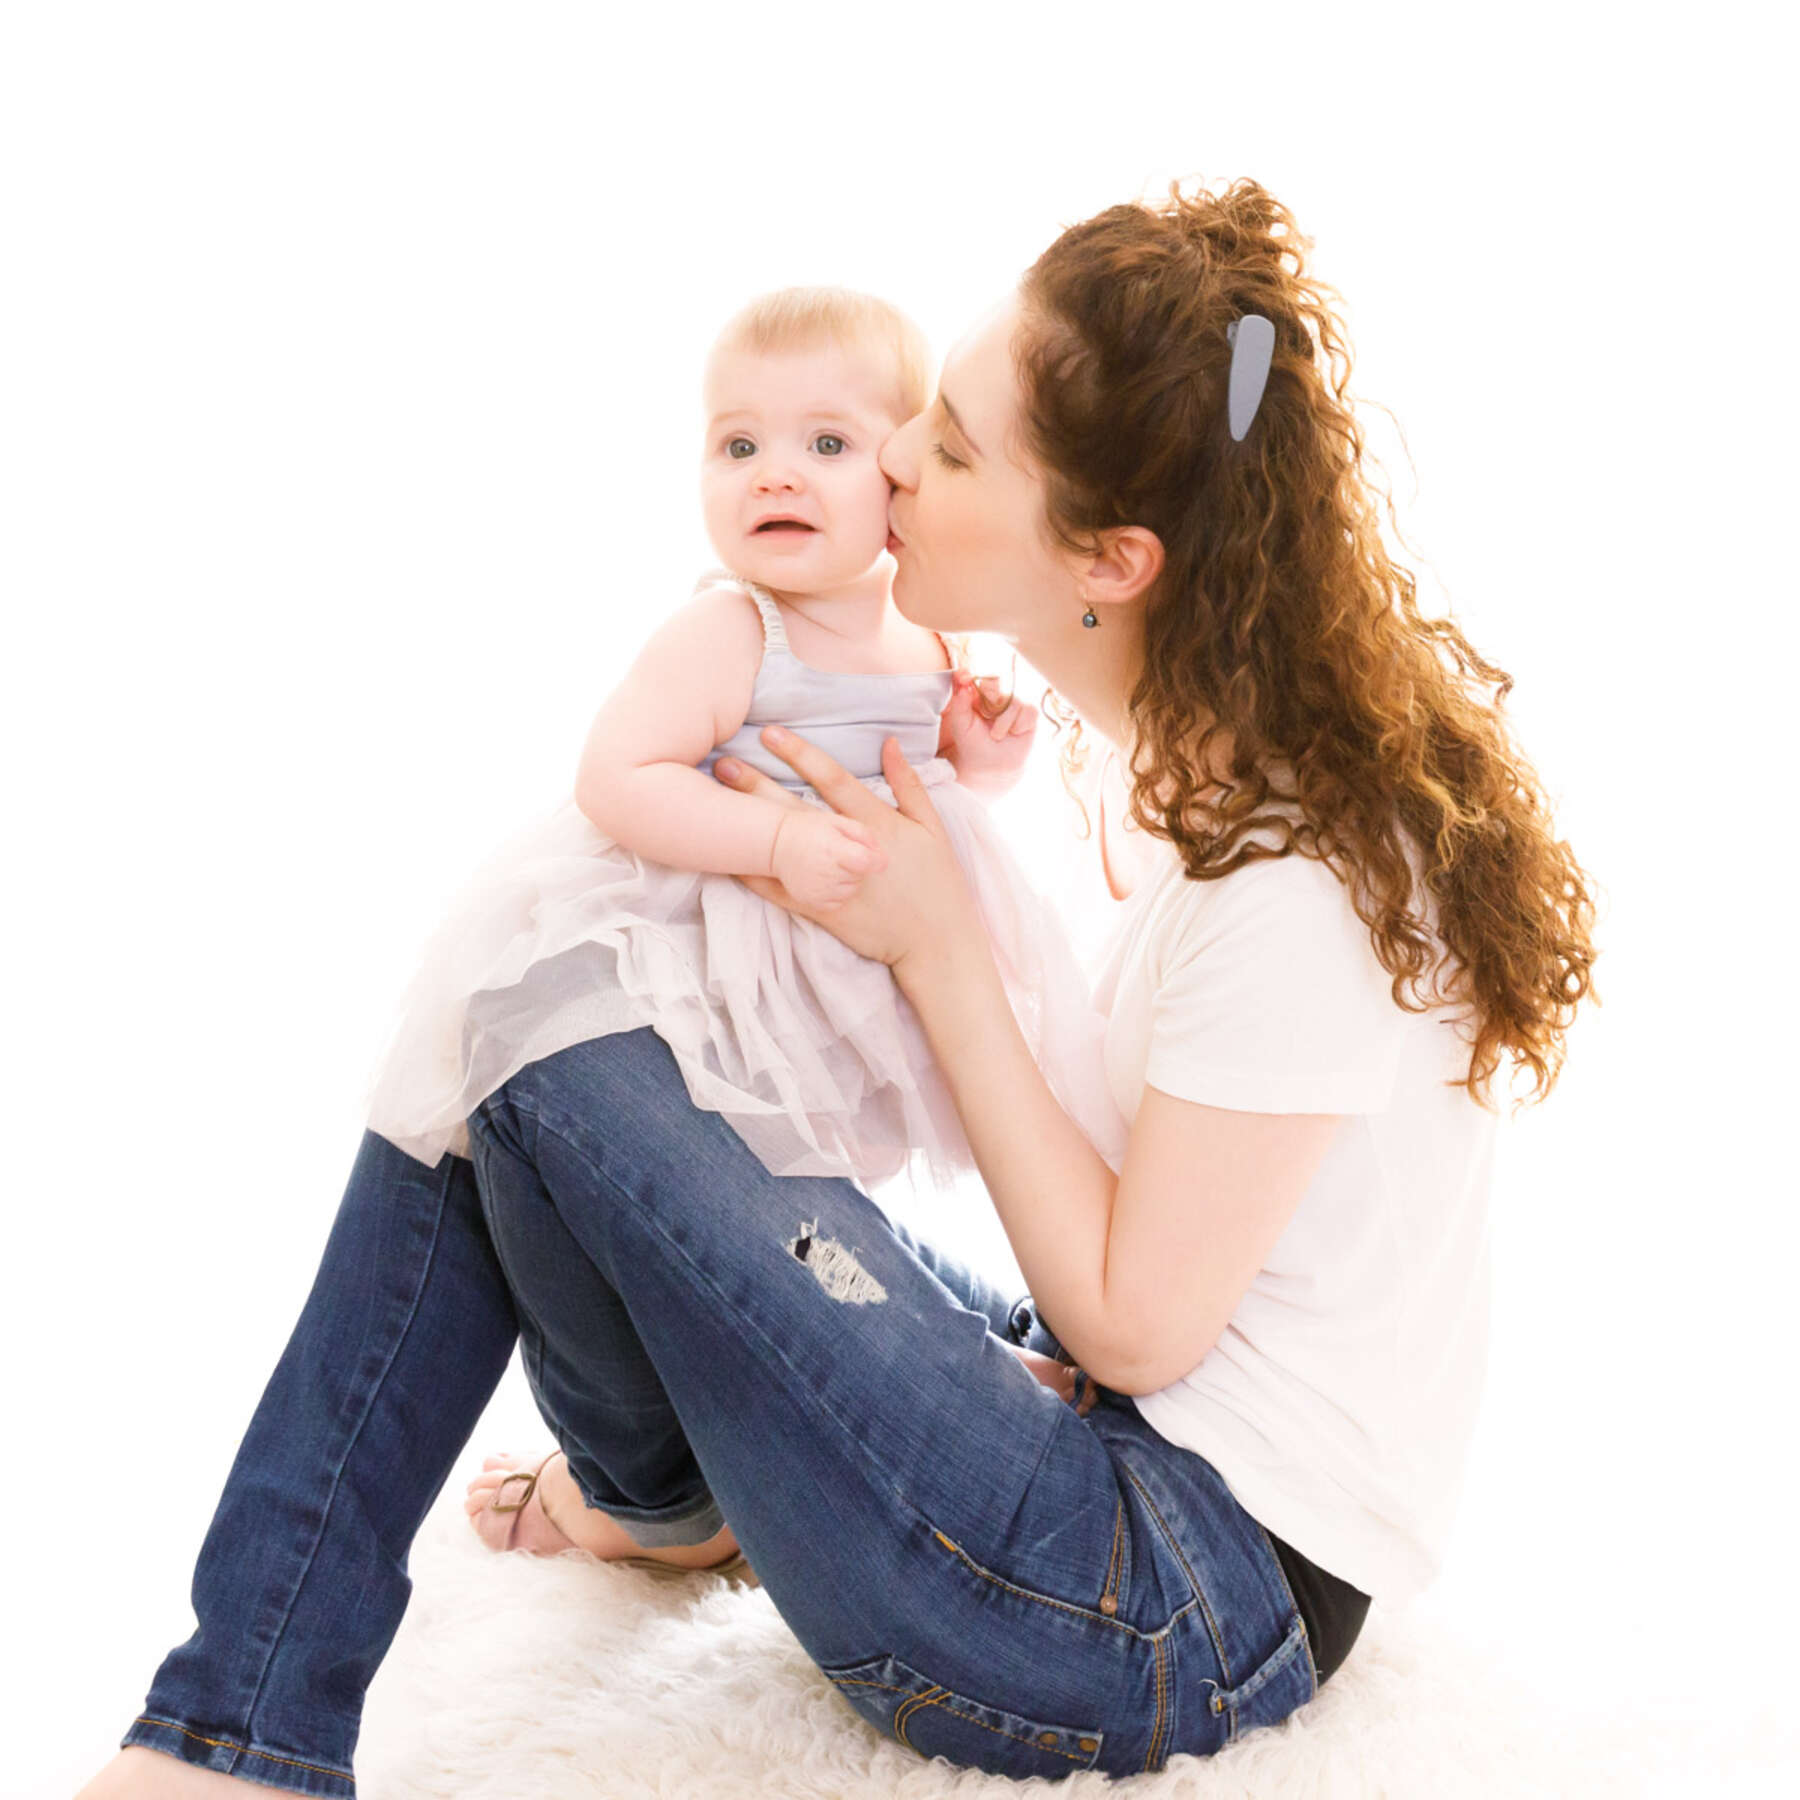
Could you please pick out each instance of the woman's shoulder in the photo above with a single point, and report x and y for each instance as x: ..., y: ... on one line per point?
x: 1268, y: 897
x: 1269, y: 995
x: 1276, y: 925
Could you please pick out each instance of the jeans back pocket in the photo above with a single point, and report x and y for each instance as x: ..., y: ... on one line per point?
x: 933, y: 1720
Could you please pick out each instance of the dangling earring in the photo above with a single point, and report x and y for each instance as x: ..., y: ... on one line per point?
x: 1088, y: 619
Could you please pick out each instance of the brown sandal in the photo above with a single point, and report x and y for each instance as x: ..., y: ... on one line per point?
x: 734, y: 1568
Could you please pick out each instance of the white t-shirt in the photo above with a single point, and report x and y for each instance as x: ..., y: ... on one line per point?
x: 1339, y: 1401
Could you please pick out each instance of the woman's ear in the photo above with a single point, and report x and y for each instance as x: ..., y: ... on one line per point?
x: 1129, y: 559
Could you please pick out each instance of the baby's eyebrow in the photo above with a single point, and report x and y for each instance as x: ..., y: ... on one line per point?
x: 827, y: 416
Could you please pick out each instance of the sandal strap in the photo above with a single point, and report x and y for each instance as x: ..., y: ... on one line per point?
x: 736, y: 1567
x: 524, y: 1500
x: 530, y: 1480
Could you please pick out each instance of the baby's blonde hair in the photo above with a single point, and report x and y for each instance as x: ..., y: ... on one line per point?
x: 801, y: 318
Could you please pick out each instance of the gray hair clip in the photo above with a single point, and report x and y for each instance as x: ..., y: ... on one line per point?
x: 1252, y: 350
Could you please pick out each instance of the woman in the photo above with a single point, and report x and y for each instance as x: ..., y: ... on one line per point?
x: 1353, y: 911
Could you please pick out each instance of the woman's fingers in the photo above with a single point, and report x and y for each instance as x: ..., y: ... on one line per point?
x: 909, y: 791
x: 748, y: 780
x: 766, y: 888
x: 859, y: 813
x: 826, y: 776
x: 861, y: 852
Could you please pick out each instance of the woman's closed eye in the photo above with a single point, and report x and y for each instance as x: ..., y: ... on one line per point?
x: 944, y: 456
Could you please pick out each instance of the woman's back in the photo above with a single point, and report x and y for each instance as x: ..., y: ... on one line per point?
x: 1338, y: 1402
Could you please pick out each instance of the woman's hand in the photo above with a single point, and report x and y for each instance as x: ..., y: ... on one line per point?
x: 917, y: 901
x: 1058, y: 1377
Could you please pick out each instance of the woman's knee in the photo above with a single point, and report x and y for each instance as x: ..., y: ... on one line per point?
x: 604, y: 1122
x: 618, y: 1108
x: 581, y: 1092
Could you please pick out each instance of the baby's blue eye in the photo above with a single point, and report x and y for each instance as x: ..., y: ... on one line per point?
x: 826, y: 437
x: 731, y: 448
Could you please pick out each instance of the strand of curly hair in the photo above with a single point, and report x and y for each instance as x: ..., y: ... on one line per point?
x: 1340, y: 721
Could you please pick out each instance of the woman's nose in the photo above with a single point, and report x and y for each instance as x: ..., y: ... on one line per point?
x: 895, y: 459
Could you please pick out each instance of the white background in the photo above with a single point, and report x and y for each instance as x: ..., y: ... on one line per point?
x: 348, y: 434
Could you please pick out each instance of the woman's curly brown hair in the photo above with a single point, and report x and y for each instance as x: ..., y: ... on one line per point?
x: 1340, y: 722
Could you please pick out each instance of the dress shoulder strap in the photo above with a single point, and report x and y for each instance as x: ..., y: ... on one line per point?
x: 774, y: 630
x: 774, y: 626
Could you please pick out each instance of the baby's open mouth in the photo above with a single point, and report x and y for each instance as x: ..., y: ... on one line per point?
x: 782, y: 525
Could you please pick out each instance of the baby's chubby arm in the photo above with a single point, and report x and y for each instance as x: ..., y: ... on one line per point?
x: 688, y: 690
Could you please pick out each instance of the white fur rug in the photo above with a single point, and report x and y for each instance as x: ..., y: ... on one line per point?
x: 520, y: 1678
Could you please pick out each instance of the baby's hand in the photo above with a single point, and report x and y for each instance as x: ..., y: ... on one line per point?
x: 989, y: 756
x: 821, y: 857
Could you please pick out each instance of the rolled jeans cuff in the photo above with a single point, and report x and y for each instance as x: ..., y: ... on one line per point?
x: 654, y: 1528
x: 657, y: 1531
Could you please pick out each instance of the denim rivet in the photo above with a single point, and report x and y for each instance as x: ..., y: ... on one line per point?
x: 1046, y: 1737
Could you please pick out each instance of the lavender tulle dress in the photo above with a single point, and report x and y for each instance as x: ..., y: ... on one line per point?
x: 809, y: 1051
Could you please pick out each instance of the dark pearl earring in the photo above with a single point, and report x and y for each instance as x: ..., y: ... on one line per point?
x: 1088, y: 619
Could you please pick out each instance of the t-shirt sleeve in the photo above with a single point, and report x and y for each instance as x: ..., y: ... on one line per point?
x: 1271, y: 998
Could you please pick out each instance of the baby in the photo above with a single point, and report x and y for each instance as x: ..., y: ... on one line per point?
x: 621, y: 909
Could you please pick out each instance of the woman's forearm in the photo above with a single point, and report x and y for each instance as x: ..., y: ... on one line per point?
x: 674, y: 814
x: 1052, y: 1189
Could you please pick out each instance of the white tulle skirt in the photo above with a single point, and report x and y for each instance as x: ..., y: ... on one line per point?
x: 809, y: 1051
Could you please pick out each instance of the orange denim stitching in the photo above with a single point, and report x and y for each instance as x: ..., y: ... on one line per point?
x: 1150, y: 1761
x: 1081, y: 1612
x: 1048, y: 1749
x: 242, y: 1749
x: 1212, y: 1625
x: 912, y: 1706
x: 1118, y: 1548
x: 889, y: 1687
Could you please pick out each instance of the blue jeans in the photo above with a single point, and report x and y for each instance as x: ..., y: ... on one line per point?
x: 979, y: 1570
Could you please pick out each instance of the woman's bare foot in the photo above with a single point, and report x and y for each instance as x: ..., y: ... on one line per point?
x: 140, y: 1774
x: 556, y: 1518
